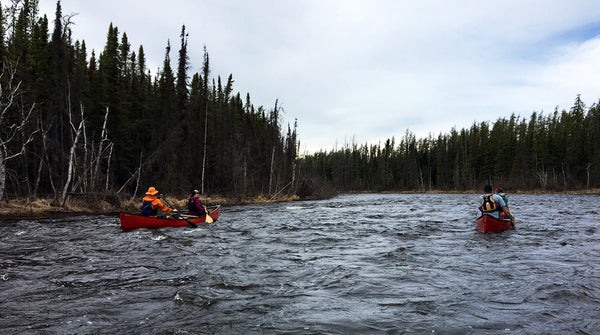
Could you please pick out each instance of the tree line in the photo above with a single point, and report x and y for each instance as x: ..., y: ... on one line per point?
x: 555, y: 152
x: 79, y: 122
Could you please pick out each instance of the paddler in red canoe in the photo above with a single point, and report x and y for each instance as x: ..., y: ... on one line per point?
x: 195, y: 206
x: 151, y: 204
x: 492, y: 204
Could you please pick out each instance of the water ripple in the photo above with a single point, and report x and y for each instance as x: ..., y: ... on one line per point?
x: 356, y: 264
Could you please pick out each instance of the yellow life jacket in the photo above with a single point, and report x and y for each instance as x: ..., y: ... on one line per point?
x: 489, y: 205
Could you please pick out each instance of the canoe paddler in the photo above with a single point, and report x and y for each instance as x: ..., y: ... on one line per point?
x: 499, y: 191
x: 151, y: 203
x: 492, y: 204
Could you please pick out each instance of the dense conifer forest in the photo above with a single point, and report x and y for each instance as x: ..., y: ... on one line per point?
x: 555, y: 152
x: 75, y: 121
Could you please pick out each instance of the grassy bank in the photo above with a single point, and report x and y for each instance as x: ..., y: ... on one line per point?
x: 110, y: 205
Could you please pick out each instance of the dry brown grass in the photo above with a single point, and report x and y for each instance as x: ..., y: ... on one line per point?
x: 97, y: 204
x: 38, y: 208
x: 224, y: 201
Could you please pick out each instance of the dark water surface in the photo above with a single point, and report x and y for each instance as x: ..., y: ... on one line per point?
x: 355, y: 264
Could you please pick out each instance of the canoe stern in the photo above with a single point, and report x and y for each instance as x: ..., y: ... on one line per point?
x: 488, y: 224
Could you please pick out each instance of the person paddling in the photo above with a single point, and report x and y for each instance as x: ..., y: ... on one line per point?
x: 493, y: 205
x: 499, y: 191
x: 195, y: 206
x: 151, y: 204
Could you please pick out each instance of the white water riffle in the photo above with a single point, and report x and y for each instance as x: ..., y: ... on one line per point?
x: 354, y: 264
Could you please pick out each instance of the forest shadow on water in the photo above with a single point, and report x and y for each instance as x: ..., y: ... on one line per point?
x: 354, y: 264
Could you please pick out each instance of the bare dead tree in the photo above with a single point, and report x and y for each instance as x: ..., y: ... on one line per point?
x: 90, y: 173
x: 271, y: 170
x: 108, y: 166
x: 71, y: 164
x: 543, y: 178
x: 139, y: 174
x: 101, y: 148
x: 13, y: 128
x: 587, y: 174
x: 84, y: 176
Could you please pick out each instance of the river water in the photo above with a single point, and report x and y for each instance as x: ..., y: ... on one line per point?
x: 354, y: 264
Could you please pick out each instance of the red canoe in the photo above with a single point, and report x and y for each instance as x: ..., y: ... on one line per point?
x: 131, y: 221
x: 488, y: 224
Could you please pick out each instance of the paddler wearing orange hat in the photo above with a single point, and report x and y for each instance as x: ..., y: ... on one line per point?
x: 151, y: 203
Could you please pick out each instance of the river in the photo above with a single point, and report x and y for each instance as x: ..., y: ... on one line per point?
x: 354, y: 264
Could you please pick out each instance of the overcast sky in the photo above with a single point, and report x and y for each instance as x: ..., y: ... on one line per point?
x: 366, y: 71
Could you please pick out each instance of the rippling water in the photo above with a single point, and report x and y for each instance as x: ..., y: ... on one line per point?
x: 355, y: 264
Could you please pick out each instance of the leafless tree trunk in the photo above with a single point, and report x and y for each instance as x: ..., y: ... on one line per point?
x: 108, y: 167
x: 271, y: 173
x: 71, y: 164
x: 543, y: 177
x: 292, y: 189
x: 103, y: 138
x: 2, y: 174
x: 9, y: 93
x: 37, y: 179
x: 86, y: 158
x: 587, y: 173
x: 139, y: 174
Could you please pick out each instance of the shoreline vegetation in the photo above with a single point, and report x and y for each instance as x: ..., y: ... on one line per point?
x: 81, y: 132
x: 23, y: 209
x: 94, y: 204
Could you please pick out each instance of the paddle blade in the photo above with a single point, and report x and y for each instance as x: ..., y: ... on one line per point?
x: 209, y: 219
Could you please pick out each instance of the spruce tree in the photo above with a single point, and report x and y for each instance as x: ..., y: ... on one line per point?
x: 182, y: 77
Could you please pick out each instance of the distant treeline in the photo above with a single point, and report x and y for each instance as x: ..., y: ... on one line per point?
x: 555, y: 152
x: 79, y: 123
x: 74, y: 122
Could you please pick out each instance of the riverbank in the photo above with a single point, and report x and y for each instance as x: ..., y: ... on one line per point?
x: 111, y: 205
x: 97, y: 205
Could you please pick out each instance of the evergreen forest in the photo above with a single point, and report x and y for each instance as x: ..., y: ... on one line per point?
x: 556, y: 153
x: 80, y: 122
x: 75, y: 121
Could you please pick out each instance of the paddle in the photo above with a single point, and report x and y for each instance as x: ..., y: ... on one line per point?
x: 193, y: 225
x: 208, y: 218
x: 194, y: 206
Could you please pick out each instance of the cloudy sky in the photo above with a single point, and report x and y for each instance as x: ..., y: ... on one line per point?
x: 366, y: 71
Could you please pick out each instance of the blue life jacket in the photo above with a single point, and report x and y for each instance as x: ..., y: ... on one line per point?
x: 503, y: 195
x: 147, y: 208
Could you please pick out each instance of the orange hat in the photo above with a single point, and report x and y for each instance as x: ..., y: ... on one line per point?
x: 151, y: 191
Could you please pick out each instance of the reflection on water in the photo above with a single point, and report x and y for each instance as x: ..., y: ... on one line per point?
x: 381, y: 264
